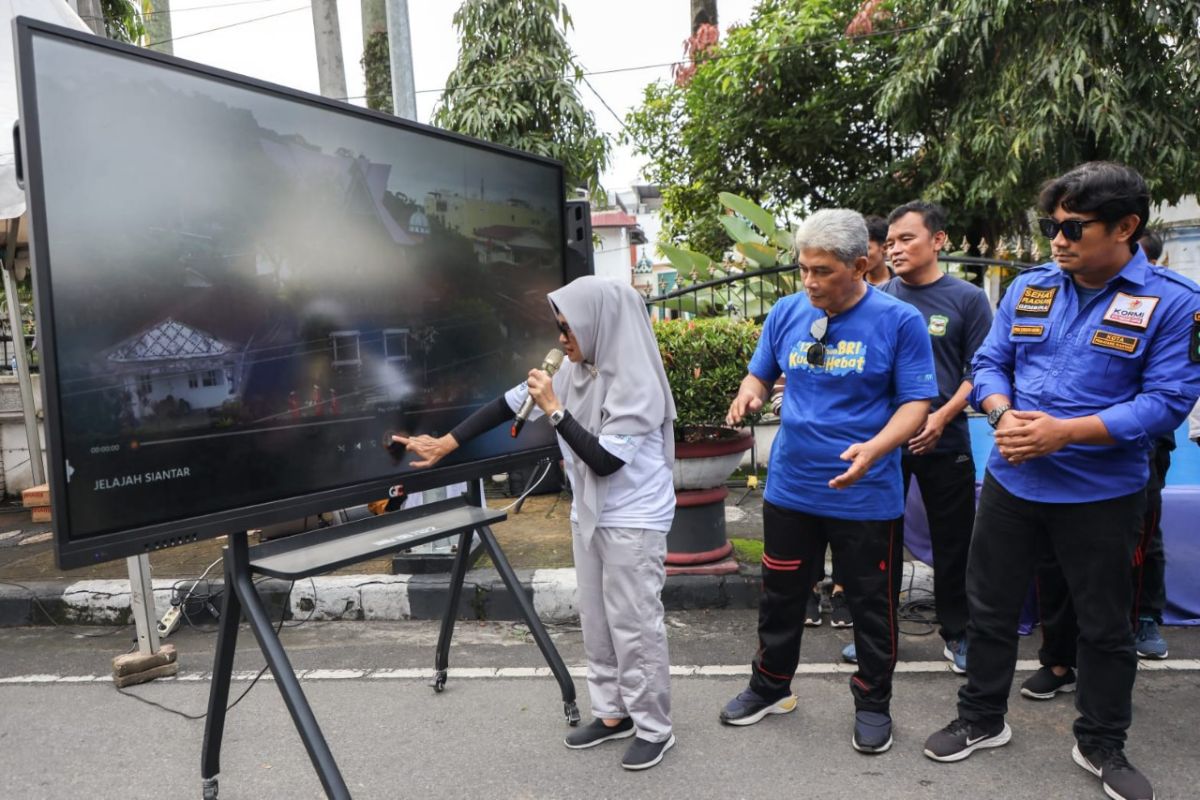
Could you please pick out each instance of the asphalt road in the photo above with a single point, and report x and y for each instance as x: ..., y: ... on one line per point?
x: 65, y: 731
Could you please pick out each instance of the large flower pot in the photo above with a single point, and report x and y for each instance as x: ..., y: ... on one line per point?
x: 697, y: 543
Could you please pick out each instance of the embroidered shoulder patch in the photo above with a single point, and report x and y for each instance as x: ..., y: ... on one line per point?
x: 1028, y: 330
x: 1194, y: 342
x: 1130, y: 311
x: 1036, y: 301
x: 1115, y: 341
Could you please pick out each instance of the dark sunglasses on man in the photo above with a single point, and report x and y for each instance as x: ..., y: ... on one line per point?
x: 1072, y: 229
x: 816, y: 351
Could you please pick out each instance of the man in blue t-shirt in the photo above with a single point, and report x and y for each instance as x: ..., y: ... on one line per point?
x: 860, y: 376
x: 958, y: 317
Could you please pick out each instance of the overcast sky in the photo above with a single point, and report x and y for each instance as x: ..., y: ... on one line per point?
x: 608, y: 34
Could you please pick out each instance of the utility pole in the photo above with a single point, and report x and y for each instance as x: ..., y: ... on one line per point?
x: 92, y: 14
x: 331, y: 72
x: 704, y: 12
x: 404, y: 92
x: 158, y: 26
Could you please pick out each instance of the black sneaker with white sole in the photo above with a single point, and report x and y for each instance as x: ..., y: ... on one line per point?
x: 1121, y: 779
x: 960, y: 738
x: 596, y: 732
x: 812, y: 609
x: 1044, y: 684
x: 839, y: 613
x: 643, y: 754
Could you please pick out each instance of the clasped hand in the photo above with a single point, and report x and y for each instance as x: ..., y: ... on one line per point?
x: 1023, y: 435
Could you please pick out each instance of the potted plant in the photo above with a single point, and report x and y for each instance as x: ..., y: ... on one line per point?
x: 705, y: 360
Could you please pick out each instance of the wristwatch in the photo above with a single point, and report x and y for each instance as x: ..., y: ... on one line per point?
x: 557, y: 416
x: 993, y: 417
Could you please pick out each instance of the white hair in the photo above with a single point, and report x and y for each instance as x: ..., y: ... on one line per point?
x: 838, y: 231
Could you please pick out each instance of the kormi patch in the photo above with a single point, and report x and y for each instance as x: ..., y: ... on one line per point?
x: 1115, y: 341
x: 1028, y: 330
x: 1130, y: 311
x: 1194, y: 343
x: 1036, y: 301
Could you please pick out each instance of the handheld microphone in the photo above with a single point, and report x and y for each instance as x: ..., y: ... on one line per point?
x: 550, y: 365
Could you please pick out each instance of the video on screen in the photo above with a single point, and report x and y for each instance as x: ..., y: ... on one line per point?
x: 250, y: 292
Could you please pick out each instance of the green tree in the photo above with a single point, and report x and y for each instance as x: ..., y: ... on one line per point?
x: 997, y: 96
x: 123, y: 20
x: 516, y: 83
x: 780, y: 112
x: 376, y: 58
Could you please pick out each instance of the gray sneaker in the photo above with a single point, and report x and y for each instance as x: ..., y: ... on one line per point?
x: 596, y: 732
x: 643, y: 754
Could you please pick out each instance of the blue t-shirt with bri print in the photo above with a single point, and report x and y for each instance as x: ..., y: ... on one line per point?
x: 878, y: 357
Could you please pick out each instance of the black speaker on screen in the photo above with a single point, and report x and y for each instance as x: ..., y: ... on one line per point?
x: 579, y: 240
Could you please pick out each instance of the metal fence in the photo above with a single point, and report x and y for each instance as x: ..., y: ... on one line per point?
x: 751, y: 294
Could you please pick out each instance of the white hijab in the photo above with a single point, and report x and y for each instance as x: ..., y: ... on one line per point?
x: 620, y: 388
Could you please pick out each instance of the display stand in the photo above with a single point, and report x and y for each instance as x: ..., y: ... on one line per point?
x: 320, y: 551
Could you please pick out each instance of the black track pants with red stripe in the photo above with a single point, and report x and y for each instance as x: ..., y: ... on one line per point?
x: 869, y: 552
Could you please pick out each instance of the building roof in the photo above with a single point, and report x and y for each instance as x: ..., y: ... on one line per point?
x: 169, y: 340
x: 613, y: 219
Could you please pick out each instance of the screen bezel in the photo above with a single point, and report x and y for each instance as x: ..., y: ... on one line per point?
x: 78, y: 552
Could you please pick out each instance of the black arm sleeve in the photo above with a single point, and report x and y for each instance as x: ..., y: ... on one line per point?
x: 484, y: 419
x: 587, y: 446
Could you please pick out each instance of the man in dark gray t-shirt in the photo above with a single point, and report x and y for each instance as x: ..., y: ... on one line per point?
x: 958, y: 316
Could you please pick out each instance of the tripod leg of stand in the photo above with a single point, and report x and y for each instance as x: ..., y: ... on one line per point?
x: 441, y: 659
x: 218, y: 693
x: 285, y: 677
x: 549, y: 652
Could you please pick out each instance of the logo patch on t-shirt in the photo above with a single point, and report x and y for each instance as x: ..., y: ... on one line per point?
x: 938, y: 324
x: 1130, y: 311
x: 1036, y: 301
x: 1115, y: 341
x: 840, y: 359
x: 1028, y: 330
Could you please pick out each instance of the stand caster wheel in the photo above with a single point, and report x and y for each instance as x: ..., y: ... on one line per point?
x: 210, y: 788
x: 439, y: 681
x: 571, y: 711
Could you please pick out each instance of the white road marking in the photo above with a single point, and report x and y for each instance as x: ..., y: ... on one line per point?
x: 576, y: 671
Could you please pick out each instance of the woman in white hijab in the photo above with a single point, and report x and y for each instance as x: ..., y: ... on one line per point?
x: 613, y: 411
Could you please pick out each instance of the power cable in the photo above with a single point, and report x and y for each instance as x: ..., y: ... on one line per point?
x: 174, y: 11
x: 225, y: 27
x: 713, y: 57
x: 253, y: 683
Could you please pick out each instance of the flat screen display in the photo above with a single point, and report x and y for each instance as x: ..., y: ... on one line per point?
x: 242, y: 291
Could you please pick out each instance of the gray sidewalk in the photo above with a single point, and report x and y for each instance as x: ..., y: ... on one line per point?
x: 33, y: 591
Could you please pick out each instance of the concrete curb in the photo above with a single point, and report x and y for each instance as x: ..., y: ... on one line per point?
x: 383, y: 597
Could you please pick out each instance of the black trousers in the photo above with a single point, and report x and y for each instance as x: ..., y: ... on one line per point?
x: 1059, y: 629
x: 1094, y: 545
x: 947, y: 483
x: 793, y: 555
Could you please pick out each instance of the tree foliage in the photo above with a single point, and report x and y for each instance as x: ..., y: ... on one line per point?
x: 377, y: 71
x: 516, y: 83
x: 996, y: 96
x: 123, y: 20
x: 781, y: 112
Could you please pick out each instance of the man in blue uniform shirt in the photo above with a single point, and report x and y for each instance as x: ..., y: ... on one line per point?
x: 1089, y: 359
x: 859, y: 380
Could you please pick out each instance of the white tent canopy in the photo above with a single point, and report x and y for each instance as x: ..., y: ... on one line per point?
x: 12, y: 197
